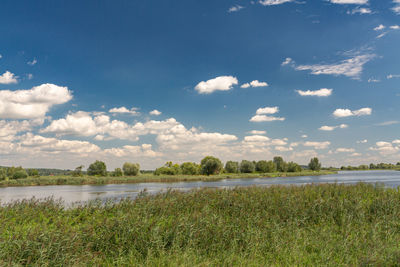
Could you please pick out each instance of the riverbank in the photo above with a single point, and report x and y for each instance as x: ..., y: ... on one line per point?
x: 318, y: 225
x: 148, y: 178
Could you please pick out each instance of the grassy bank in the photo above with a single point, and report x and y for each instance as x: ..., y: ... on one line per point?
x: 145, y: 178
x: 320, y: 225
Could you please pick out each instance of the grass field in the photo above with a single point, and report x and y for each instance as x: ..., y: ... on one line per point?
x: 143, y: 178
x: 319, y: 225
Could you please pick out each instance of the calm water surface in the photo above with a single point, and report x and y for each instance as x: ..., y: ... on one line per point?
x: 81, y: 193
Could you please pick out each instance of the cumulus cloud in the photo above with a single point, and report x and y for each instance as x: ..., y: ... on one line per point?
x: 8, y: 78
x: 317, y: 145
x: 372, y: 80
x: 395, y: 27
x: 288, y: 61
x: 331, y: 128
x: 155, y: 112
x: 391, y: 76
x: 235, y: 8
x: 32, y: 103
x: 351, y: 67
x: 379, y: 28
x: 257, y: 132
x: 320, y: 93
x: 221, y: 83
x: 345, y: 150
x: 267, y: 110
x: 254, y: 83
x: 273, y: 2
x: 396, y: 8
x: 341, y: 113
x: 362, y: 141
x: 124, y: 110
x: 386, y: 148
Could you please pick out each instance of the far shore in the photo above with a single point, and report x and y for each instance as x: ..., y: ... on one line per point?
x: 148, y: 178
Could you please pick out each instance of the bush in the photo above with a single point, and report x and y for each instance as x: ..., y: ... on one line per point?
x: 117, y: 172
x: 3, y: 174
x: 190, y: 168
x: 232, y: 167
x: 131, y: 169
x: 20, y: 174
x: 314, y: 164
x: 97, y: 168
x: 247, y: 166
x: 210, y: 165
x: 78, y: 171
x: 293, y: 167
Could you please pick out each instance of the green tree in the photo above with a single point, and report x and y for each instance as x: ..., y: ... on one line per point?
x: 210, y: 165
x: 3, y: 174
x: 314, y: 164
x: 190, y: 168
x: 117, y: 172
x: 264, y: 166
x: 281, y: 165
x: 33, y: 172
x: 20, y: 174
x: 232, y: 166
x: 247, y: 166
x: 97, y: 168
x: 131, y: 169
x: 78, y: 171
x: 293, y: 167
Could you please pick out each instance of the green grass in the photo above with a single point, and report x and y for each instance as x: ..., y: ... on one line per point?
x: 145, y: 178
x: 313, y: 225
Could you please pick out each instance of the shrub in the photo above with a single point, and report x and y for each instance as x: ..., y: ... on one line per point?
x: 97, y: 168
x: 190, y: 168
x: 78, y: 171
x: 210, y: 165
x: 232, y: 167
x: 247, y: 166
x: 117, y: 172
x: 293, y: 167
x: 3, y: 174
x: 20, y: 174
x: 131, y: 169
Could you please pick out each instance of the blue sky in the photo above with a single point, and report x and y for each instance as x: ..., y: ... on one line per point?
x: 151, y: 81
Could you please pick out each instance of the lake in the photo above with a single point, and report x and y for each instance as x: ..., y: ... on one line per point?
x: 81, y: 193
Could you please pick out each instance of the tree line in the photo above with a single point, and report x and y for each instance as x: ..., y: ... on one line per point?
x: 372, y: 166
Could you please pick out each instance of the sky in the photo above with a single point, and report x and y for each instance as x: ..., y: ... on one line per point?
x: 156, y: 81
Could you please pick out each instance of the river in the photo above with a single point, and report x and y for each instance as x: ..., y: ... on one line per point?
x: 70, y: 194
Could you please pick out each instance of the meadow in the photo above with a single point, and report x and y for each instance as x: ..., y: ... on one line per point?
x: 147, y: 178
x: 320, y: 225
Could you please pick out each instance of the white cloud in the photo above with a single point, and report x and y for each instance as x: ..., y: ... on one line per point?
x: 221, y: 83
x: 331, y: 128
x: 267, y: 110
x: 288, y: 61
x: 379, y: 28
x: 372, y: 80
x: 124, y: 110
x: 254, y: 83
x: 391, y: 76
x: 387, y: 123
x: 341, y: 113
x: 235, y: 8
x: 256, y: 138
x: 304, y: 136
x: 32, y: 63
x: 344, y: 150
x: 155, y: 112
x: 263, y: 118
x: 256, y: 132
x: 386, y: 148
x: 351, y: 67
x: 321, y: 92
x: 1, y: 56
x: 317, y: 145
x: 32, y: 103
x: 29, y: 76
x: 273, y: 2
x: 395, y: 27
x: 356, y: 154
x: 357, y: 2
x: 8, y: 78
x: 362, y: 141
x: 361, y: 10
x: 381, y: 35
x: 396, y: 8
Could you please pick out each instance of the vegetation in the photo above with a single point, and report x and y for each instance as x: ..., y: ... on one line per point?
x: 232, y: 167
x: 247, y: 166
x: 131, y: 169
x: 314, y: 164
x: 372, y: 166
x: 324, y: 225
x: 97, y: 168
x: 211, y: 165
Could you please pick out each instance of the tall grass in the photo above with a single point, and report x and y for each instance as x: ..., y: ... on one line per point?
x: 143, y: 178
x: 323, y: 225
